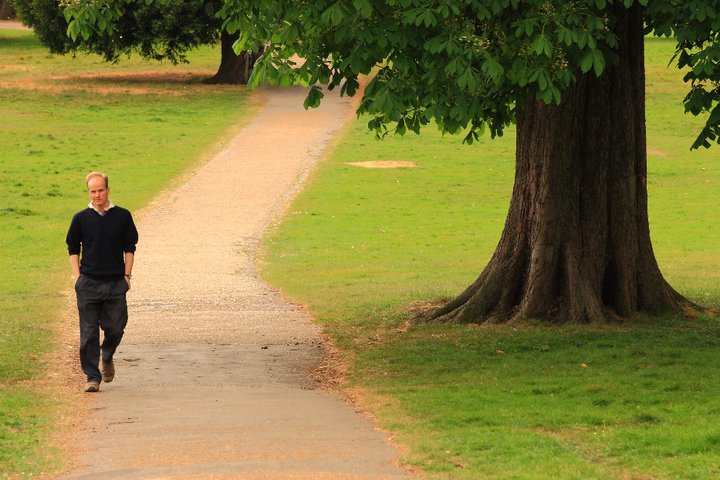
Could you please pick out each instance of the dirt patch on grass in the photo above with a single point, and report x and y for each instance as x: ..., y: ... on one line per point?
x: 12, y: 25
x: 333, y: 371
x: 132, y: 83
x: 421, y: 309
x: 656, y: 152
x: 385, y: 164
x: 14, y: 67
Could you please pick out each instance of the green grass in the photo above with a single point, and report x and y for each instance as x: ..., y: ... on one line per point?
x: 682, y: 185
x: 363, y: 248
x: 25, y: 421
x: 639, y: 404
x: 144, y: 124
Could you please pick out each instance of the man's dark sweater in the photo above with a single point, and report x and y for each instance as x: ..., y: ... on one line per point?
x: 103, y: 240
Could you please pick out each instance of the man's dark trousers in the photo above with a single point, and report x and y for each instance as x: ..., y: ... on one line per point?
x: 101, y: 304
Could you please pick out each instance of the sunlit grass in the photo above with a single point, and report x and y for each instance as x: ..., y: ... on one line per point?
x: 364, y: 247
x: 143, y: 123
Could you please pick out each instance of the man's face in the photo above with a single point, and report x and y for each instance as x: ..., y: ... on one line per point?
x: 98, y: 193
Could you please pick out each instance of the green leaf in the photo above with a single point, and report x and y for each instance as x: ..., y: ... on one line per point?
x: 363, y: 7
x: 598, y: 62
x: 546, y: 96
x: 436, y: 44
x: 556, y: 94
x: 73, y: 30
x: 533, y: 77
x: 457, y: 64
x: 591, y: 42
x: 544, y: 80
x: 493, y: 69
x: 313, y: 98
x: 335, y: 14
x: 350, y: 86
x: 525, y: 27
x: 565, y: 35
x: 468, y: 80
x: 263, y: 72
x: 542, y: 45
x: 457, y: 112
x: 714, y: 118
x: 400, y: 128
x: 382, y: 101
x: 580, y: 39
x: 292, y: 32
x: 586, y: 63
x: 427, y: 18
x: 481, y: 12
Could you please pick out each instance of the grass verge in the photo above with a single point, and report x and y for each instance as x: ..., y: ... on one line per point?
x: 365, y: 247
x: 142, y: 123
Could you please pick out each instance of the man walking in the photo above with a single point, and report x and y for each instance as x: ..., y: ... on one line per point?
x: 101, y: 243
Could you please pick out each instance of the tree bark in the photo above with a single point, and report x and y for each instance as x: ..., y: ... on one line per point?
x: 576, y: 244
x: 234, y: 69
x: 7, y: 12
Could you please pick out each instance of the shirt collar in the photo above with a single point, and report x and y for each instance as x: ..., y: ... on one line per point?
x: 110, y: 205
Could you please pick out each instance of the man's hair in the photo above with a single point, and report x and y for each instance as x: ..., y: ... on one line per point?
x: 97, y: 174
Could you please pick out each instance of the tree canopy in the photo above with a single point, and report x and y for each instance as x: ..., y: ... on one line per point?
x: 157, y: 30
x: 468, y: 64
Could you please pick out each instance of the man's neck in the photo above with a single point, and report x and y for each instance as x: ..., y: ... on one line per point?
x: 103, y: 208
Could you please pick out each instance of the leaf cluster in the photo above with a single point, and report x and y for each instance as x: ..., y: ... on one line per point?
x: 155, y: 29
x: 695, y: 24
x: 47, y: 19
x: 459, y: 63
x: 466, y: 65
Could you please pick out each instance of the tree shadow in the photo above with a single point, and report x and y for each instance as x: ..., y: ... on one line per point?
x: 159, y: 82
x: 140, y: 78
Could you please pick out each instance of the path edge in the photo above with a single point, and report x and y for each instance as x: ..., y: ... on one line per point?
x: 331, y: 374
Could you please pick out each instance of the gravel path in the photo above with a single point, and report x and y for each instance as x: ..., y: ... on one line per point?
x: 213, y: 374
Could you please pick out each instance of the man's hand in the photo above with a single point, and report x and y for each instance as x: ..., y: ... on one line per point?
x: 75, y: 266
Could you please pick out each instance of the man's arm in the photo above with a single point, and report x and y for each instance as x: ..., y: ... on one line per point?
x: 75, y: 265
x: 129, y: 260
x: 74, y: 241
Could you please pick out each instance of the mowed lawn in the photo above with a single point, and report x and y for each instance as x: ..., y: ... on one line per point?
x: 142, y: 123
x: 365, y: 248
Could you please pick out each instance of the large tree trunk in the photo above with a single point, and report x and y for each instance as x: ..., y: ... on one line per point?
x: 234, y: 69
x: 576, y: 244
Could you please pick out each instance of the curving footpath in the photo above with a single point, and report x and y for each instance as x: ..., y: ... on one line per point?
x: 213, y: 376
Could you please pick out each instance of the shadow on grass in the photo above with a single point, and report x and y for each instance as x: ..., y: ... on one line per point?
x: 132, y: 83
x: 140, y: 78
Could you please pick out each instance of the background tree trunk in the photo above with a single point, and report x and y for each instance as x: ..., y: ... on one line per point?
x: 7, y: 12
x: 576, y: 244
x: 234, y: 69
